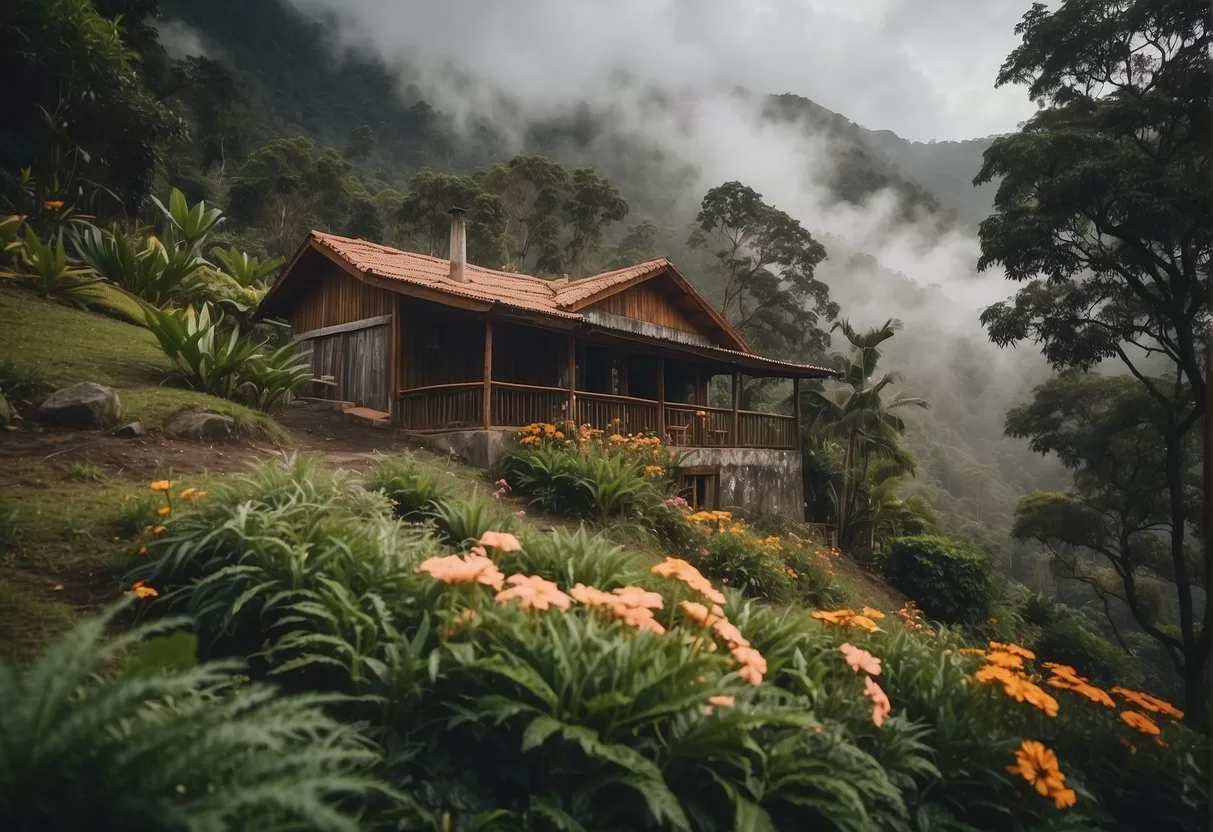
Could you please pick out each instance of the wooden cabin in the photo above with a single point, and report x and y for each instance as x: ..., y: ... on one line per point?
x: 442, y: 346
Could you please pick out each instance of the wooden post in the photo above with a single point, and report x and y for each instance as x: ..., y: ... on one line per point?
x: 736, y: 407
x: 796, y: 404
x: 488, y: 373
x: 393, y: 372
x: 571, y: 415
x: 661, y: 397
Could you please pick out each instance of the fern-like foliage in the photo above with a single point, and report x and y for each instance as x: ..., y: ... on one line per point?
x: 91, y: 741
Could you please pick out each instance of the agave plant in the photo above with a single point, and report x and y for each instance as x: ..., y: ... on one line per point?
x: 203, y: 358
x: 193, y: 222
x: 92, y: 739
x: 45, y: 265
x: 153, y: 272
x: 246, y: 269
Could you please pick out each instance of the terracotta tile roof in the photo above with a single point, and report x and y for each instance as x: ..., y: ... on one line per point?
x: 518, y: 290
x: 576, y: 291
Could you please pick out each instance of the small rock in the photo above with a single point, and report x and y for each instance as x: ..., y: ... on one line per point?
x: 130, y: 431
x: 6, y: 411
x: 201, y: 426
x: 83, y: 405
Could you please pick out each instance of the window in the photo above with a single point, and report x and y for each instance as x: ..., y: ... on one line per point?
x: 700, y: 487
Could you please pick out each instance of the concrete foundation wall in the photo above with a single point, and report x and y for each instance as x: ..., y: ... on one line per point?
x: 758, y: 480
x: 754, y: 479
x: 482, y: 448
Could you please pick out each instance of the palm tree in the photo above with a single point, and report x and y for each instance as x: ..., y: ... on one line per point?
x: 862, y: 421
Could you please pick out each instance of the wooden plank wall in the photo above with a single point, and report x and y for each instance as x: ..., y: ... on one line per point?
x: 646, y: 303
x: 333, y: 297
x: 364, y: 358
x: 438, y: 345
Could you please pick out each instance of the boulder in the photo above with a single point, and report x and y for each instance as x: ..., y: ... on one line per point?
x: 201, y: 426
x: 83, y: 405
x: 6, y: 411
x: 131, y: 430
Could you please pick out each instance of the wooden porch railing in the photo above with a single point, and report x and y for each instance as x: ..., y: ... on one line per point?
x: 444, y: 407
x: 766, y: 430
x: 621, y: 414
x: 518, y: 405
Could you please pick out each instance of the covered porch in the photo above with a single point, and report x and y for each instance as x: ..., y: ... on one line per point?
x: 456, y: 370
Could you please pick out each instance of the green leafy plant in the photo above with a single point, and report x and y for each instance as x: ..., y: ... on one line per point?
x: 150, y: 744
x: 414, y: 492
x: 266, y: 378
x: 462, y: 522
x: 949, y: 580
x: 572, y: 557
x: 46, y: 267
x: 193, y: 222
x: 203, y: 357
x: 20, y: 381
x: 86, y: 472
x: 152, y: 271
x: 247, y: 270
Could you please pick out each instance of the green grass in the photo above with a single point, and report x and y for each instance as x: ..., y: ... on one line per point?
x: 30, y: 622
x: 69, y: 345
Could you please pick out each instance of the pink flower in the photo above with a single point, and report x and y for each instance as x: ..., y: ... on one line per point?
x: 860, y: 659
x: 520, y: 513
x: 880, y: 701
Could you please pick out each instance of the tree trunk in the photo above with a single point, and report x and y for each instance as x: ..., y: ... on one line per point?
x: 1195, y: 703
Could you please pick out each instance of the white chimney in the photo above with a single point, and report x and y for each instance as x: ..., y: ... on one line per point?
x: 459, y: 246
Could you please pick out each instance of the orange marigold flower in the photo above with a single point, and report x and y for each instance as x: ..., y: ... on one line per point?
x: 1038, y: 765
x: 164, y: 511
x: 1141, y: 722
x: 1064, y: 798
x: 1149, y: 703
x: 187, y: 493
x: 1063, y: 670
x: 159, y: 529
x: 639, y: 617
x: 501, y: 541
x: 681, y: 570
x: 874, y: 614
x: 161, y: 485
x: 697, y: 612
x: 864, y: 623
x: 728, y: 631
x: 52, y: 204
x: 142, y: 591
x: 465, y: 569
x: 834, y: 616
x: 533, y: 593
x: 860, y: 660
x: 634, y: 596
x: 1007, y: 660
x: 1013, y: 649
x: 881, y: 707
x: 753, y: 664
x: 592, y: 596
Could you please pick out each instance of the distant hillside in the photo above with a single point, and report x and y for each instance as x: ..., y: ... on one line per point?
x: 946, y: 169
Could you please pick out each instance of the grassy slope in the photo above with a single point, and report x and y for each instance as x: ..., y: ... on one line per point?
x: 69, y: 345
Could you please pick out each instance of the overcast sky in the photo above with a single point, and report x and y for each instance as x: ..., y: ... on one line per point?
x: 922, y: 68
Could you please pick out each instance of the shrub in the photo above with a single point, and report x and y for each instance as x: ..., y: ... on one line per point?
x: 463, y: 522
x: 414, y: 492
x: 595, y: 477
x: 247, y: 270
x: 949, y: 580
x: 45, y: 266
x: 20, y: 382
x: 149, y: 269
x: 575, y: 557
x: 91, y: 738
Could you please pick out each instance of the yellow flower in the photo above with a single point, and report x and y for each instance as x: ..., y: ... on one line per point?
x: 158, y: 530
x: 161, y: 485
x: 1038, y: 765
x: 873, y: 614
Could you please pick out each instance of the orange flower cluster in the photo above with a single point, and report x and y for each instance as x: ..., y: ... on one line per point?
x: 1141, y: 722
x: 1066, y: 678
x: 1148, y: 703
x: 472, y: 568
x: 847, y: 618
x: 753, y: 664
x: 911, y: 616
x: 501, y: 541
x: 680, y: 570
x: 714, y: 518
x: 161, y: 485
x: 1038, y: 765
x: 533, y: 593
x: 653, y: 471
x: 630, y: 604
x: 536, y: 432
x: 1018, y: 686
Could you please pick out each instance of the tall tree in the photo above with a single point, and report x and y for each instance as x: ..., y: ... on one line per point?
x: 532, y: 190
x: 1111, y: 531
x: 593, y: 204
x: 864, y: 423
x: 1104, y: 207
x: 426, y: 224
x: 76, y: 109
x: 765, y: 260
